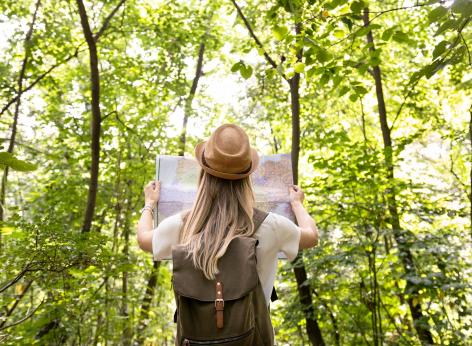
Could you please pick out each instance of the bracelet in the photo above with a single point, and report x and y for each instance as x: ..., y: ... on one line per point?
x: 147, y: 207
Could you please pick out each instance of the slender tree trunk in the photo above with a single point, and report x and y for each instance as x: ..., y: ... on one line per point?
x: 95, y: 103
x: 95, y: 127
x: 405, y: 254
x: 96, y: 117
x: 470, y: 181
x: 146, y: 302
x: 334, y: 322
x: 126, y: 335
x: 16, y: 113
x: 189, y: 101
x: 304, y: 288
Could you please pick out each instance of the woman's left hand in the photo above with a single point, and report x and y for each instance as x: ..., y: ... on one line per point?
x: 152, y: 191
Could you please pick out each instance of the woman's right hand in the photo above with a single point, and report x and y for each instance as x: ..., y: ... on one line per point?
x: 296, y: 194
x: 151, y: 192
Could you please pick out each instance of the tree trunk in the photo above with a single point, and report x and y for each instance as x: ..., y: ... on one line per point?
x: 188, y: 103
x: 146, y: 302
x: 304, y: 288
x: 126, y: 332
x: 96, y: 117
x: 405, y: 254
x: 95, y: 125
x: 470, y: 181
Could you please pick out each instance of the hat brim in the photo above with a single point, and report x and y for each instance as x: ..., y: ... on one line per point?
x: 200, y: 147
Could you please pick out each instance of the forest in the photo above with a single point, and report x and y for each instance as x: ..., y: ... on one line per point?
x: 372, y: 99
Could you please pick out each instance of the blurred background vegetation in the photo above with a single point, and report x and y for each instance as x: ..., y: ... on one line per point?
x: 372, y: 98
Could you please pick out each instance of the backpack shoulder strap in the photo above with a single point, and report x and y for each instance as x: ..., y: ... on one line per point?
x: 258, y: 217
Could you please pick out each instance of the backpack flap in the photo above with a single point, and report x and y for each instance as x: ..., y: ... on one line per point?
x: 237, y: 272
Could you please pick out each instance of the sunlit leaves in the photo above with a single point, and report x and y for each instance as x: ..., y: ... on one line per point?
x: 463, y: 7
x: 357, y: 6
x: 437, y: 13
x: 440, y: 49
x: 299, y: 67
x: 279, y: 32
x: 388, y: 33
x: 244, y: 69
x: 7, y: 159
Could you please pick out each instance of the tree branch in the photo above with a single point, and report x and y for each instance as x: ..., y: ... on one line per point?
x: 16, y: 279
x: 15, y: 304
x: 107, y: 21
x: 256, y: 39
x: 24, y: 318
x: 38, y: 79
x: 191, y: 96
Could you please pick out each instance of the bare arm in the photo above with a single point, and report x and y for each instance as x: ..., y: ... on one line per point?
x: 145, y: 224
x: 309, y: 235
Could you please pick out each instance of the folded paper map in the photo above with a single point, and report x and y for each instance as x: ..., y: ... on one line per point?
x: 179, y: 176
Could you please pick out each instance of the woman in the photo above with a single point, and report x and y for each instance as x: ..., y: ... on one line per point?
x: 223, y: 210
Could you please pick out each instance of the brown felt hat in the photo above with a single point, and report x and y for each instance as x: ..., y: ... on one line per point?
x: 227, y: 153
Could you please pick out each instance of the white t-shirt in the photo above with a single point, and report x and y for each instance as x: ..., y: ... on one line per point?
x: 276, y: 234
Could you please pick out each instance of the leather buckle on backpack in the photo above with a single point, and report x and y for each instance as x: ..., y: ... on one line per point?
x: 219, y: 304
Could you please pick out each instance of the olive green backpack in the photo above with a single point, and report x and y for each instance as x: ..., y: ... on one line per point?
x: 230, y: 310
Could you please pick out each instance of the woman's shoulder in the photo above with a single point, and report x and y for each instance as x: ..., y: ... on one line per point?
x: 174, y: 220
x: 275, y: 219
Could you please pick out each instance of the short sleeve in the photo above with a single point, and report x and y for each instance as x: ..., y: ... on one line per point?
x: 288, y: 236
x: 165, y: 235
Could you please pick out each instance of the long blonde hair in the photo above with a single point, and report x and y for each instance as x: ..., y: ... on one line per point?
x: 222, y: 211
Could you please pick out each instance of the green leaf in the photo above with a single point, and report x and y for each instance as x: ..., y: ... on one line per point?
x: 335, y: 3
x: 400, y: 37
x: 448, y: 24
x: 338, y: 33
x: 357, y: 6
x: 353, y: 97
x: 5, y: 156
x: 457, y: 55
x: 22, y: 166
x: 363, y: 31
x: 360, y: 90
x: 299, y: 67
x: 374, y: 61
x: 463, y: 7
x: 8, y: 159
x: 245, y: 71
x: 348, y: 22
x: 324, y: 79
x: 236, y: 67
x: 439, y: 49
x: 436, y: 14
x: 309, y: 73
x: 343, y: 91
x: 279, y: 32
x: 323, y: 55
x: 387, y: 34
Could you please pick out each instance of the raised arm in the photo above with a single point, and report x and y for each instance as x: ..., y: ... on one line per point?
x: 145, y: 224
x: 309, y: 235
